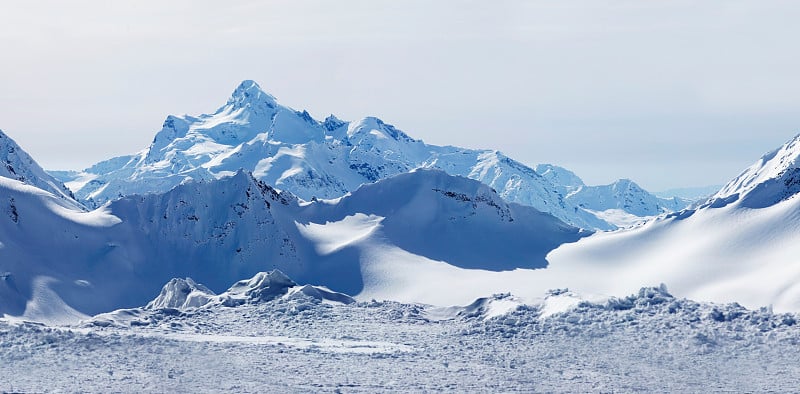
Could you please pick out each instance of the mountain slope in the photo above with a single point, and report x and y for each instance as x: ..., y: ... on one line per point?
x: 220, y: 231
x: 739, y: 246
x: 291, y: 151
x: 770, y: 180
x: 16, y: 164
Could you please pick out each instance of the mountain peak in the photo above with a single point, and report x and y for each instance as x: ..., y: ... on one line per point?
x: 773, y: 178
x: 559, y: 176
x: 625, y: 183
x: 248, y: 93
x: 16, y: 164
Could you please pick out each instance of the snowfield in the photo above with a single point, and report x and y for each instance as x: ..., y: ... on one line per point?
x: 646, y: 342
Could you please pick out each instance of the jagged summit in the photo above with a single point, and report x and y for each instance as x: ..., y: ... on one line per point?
x: 772, y: 179
x: 292, y: 151
x: 376, y: 128
x: 559, y: 176
x: 249, y: 92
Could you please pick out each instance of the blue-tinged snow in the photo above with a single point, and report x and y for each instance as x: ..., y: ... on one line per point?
x: 220, y: 231
x: 16, y: 164
x: 291, y: 151
x: 741, y: 245
x: 296, y: 342
x: 772, y: 179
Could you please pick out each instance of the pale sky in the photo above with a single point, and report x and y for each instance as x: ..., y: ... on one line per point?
x: 667, y: 93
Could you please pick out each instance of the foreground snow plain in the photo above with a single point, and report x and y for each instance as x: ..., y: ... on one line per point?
x: 297, y: 343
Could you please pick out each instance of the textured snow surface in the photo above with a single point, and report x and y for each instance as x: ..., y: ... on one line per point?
x: 646, y: 342
x: 291, y: 151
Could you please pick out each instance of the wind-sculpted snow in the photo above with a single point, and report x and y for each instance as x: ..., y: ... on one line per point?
x: 219, y: 231
x: 291, y: 151
x: 649, y: 341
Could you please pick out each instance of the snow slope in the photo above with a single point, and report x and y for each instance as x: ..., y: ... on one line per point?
x: 770, y: 180
x: 291, y: 151
x: 15, y: 163
x: 739, y: 246
x: 220, y: 231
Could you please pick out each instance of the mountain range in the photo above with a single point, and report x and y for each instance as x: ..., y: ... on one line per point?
x: 293, y: 152
x: 366, y: 210
x: 61, y: 261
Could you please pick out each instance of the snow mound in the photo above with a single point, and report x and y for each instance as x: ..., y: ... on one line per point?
x: 182, y: 294
x: 320, y: 293
x: 706, y: 325
x: 483, y: 308
x: 185, y: 297
x: 186, y: 294
x: 264, y: 286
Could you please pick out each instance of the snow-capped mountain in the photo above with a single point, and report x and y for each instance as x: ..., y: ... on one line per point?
x: 770, y: 180
x: 15, y: 163
x: 60, y: 262
x: 291, y: 151
x: 618, y: 203
x: 624, y: 195
x: 623, y: 203
x: 741, y: 245
x: 420, y: 236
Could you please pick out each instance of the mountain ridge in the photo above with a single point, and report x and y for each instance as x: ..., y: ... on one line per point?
x: 221, y: 230
x: 17, y: 164
x: 290, y: 150
x: 775, y: 177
